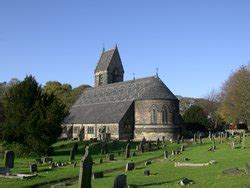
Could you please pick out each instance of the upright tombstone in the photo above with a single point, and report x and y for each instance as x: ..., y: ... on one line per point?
x: 243, y: 140
x: 210, y: 135
x: 72, y: 154
x: 182, y: 148
x: 149, y: 146
x: 120, y: 181
x: 163, y: 139
x: 195, y: 140
x: 33, y: 168
x: 75, y: 147
x: 141, y: 147
x: 220, y: 137
x: 158, y: 143
x: 104, y: 149
x: 213, y: 142
x: 165, y: 153
x: 85, y: 171
x: 130, y: 166
x: 178, y: 140
x: 128, y: 150
x: 9, y: 157
x: 182, y: 139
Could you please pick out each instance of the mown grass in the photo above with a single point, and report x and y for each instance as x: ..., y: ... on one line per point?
x: 164, y: 172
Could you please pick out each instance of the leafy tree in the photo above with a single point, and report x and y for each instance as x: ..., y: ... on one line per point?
x: 64, y: 91
x: 195, y: 119
x: 235, y: 97
x: 32, y: 118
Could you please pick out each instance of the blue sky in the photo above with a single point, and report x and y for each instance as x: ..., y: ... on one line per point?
x: 195, y: 44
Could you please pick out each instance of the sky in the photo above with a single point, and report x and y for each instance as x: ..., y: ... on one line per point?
x: 195, y: 44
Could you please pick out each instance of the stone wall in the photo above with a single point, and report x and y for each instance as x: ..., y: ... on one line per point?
x: 143, y: 119
x: 110, y: 128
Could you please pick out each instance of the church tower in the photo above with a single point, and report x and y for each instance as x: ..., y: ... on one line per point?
x: 109, y: 68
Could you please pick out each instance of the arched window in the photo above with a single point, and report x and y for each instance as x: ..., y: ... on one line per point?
x: 115, y: 75
x: 153, y: 114
x: 164, y: 116
x: 100, y: 79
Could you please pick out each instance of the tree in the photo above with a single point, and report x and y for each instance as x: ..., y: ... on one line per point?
x: 235, y: 97
x: 32, y: 118
x: 195, y: 119
x: 64, y: 91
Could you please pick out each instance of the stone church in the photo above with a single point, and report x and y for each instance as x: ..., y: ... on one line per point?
x: 124, y: 110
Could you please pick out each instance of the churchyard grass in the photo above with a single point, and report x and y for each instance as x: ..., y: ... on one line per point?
x: 164, y: 174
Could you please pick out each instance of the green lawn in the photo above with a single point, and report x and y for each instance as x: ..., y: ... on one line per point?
x: 164, y: 172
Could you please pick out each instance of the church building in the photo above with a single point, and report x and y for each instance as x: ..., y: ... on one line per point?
x: 124, y: 110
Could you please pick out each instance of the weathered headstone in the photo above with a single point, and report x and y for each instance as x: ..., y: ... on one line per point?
x: 210, y: 135
x: 165, y: 153
x: 85, y: 171
x: 163, y: 139
x: 104, y: 149
x: 33, y: 168
x: 182, y: 148
x: 220, y: 137
x: 128, y: 150
x: 243, y: 140
x: 149, y: 146
x: 147, y: 172
x: 158, y: 143
x: 4, y: 170
x: 233, y: 145
x: 97, y: 175
x: 133, y: 154
x: 72, y: 154
x: 213, y: 142
x: 9, y: 157
x: 120, y: 181
x: 185, y: 181
x: 111, y: 157
x: 47, y: 160
x: 100, y: 160
x: 179, y: 139
x: 173, y: 152
x: 148, y: 163
x: 195, y: 140
x: 130, y: 166
x: 75, y: 147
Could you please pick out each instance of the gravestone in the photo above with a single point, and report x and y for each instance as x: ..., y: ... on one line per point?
x: 148, y: 163
x: 213, y: 142
x: 74, y: 165
x: 195, y: 140
x: 130, y: 166
x: 243, y: 140
x: 137, y: 148
x: 163, y: 139
x: 75, y: 147
x: 85, y: 171
x: 210, y: 135
x: 158, y: 143
x: 179, y: 139
x: 173, y: 152
x: 128, y: 150
x: 120, y: 181
x: 232, y: 171
x: 182, y: 148
x: 47, y: 160
x: 220, y: 137
x: 104, y: 149
x: 149, y: 146
x: 101, y: 161
x: 72, y: 154
x: 182, y: 139
x: 147, y: 173
x: 165, y: 154
x: 111, y: 157
x: 33, y: 168
x: 185, y: 182
x: 200, y: 138
x: 4, y: 170
x: 141, y: 146
x: 133, y: 154
x: 9, y: 157
x: 97, y: 175
x: 233, y: 145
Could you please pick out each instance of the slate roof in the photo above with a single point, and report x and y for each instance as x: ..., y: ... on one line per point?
x: 105, y: 60
x: 109, y: 103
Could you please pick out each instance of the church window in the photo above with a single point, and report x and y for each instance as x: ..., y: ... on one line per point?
x: 76, y: 130
x: 90, y: 130
x: 164, y: 116
x: 153, y: 114
x: 115, y: 75
x: 100, y: 79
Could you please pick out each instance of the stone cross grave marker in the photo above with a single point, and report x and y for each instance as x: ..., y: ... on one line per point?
x: 85, y: 171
